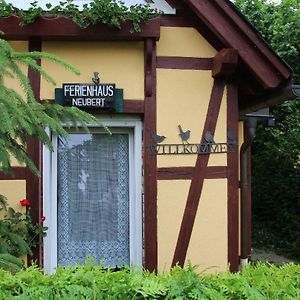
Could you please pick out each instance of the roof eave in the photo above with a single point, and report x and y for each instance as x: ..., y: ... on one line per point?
x: 289, y: 92
x: 235, y: 32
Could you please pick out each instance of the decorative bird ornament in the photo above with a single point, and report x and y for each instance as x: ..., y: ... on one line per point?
x: 96, y: 78
x: 231, y: 137
x: 158, y: 138
x: 185, y: 135
x: 209, y: 137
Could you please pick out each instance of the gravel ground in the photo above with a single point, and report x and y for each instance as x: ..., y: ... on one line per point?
x: 271, y: 257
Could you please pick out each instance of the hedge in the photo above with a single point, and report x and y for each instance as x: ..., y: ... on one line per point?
x: 91, y: 282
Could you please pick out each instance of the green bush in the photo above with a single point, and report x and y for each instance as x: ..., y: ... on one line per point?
x: 18, y: 235
x: 92, y: 282
x: 276, y: 151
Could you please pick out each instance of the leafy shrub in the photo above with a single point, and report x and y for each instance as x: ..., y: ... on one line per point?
x: 113, y: 13
x: 276, y: 151
x: 92, y: 282
x: 17, y: 236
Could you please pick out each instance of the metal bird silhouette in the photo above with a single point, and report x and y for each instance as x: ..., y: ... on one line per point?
x: 209, y: 137
x: 185, y: 135
x: 158, y: 138
x: 231, y: 136
x: 96, y: 78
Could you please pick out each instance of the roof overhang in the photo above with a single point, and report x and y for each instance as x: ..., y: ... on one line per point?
x: 262, y: 73
x: 61, y: 28
x: 289, y: 92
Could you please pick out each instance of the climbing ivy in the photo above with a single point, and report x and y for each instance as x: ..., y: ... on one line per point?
x: 112, y: 13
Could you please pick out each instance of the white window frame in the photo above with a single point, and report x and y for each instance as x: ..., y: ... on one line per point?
x: 134, y: 128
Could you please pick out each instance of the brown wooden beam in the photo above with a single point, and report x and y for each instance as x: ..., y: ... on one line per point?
x: 62, y: 28
x: 175, y: 21
x: 184, y: 63
x: 134, y: 106
x: 130, y: 107
x: 186, y: 173
x: 233, y: 181
x: 18, y: 173
x: 197, y: 181
x: 34, y: 150
x: 150, y: 161
x: 149, y: 65
x: 224, y: 64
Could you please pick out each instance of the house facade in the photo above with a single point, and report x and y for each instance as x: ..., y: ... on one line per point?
x: 163, y: 188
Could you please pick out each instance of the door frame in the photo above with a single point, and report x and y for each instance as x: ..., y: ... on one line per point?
x: 134, y: 128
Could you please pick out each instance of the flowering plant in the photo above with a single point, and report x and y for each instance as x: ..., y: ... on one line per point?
x: 25, y: 202
x: 18, y: 235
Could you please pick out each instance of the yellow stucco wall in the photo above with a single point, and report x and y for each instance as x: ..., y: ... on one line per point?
x: 208, y: 244
x: 186, y: 103
x: 14, y: 190
x: 182, y: 98
x: 20, y: 46
x: 121, y: 63
x: 171, y: 199
x: 183, y: 41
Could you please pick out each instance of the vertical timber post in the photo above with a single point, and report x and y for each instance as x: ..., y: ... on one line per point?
x: 150, y: 161
x: 34, y: 149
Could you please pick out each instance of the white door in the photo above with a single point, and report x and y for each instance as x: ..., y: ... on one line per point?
x: 95, y: 198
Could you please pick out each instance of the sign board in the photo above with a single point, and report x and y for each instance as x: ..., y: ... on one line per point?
x: 209, y: 146
x: 178, y: 149
x: 89, y: 95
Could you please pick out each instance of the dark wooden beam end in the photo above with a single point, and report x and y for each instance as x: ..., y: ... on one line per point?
x: 225, y: 63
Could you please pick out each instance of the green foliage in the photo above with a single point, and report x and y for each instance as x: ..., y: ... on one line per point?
x: 113, y: 13
x: 276, y: 177
x: 279, y: 25
x: 22, y: 116
x: 92, y: 282
x: 17, y: 236
x: 276, y: 159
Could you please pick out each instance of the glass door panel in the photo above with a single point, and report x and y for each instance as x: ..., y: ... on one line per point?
x: 93, y: 199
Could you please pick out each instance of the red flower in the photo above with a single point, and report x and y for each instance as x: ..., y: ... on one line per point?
x: 25, y: 202
x: 43, y: 218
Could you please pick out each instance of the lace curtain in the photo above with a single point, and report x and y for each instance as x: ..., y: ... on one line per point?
x: 93, y: 199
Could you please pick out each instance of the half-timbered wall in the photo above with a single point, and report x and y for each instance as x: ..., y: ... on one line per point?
x: 190, y: 201
x: 193, y: 202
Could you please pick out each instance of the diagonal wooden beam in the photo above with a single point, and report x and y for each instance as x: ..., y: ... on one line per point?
x: 199, y: 175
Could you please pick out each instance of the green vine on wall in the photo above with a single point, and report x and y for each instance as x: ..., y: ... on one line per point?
x: 112, y: 13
